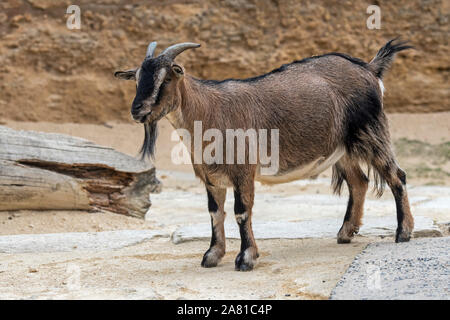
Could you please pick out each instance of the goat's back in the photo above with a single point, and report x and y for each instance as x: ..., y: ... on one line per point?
x: 317, y: 104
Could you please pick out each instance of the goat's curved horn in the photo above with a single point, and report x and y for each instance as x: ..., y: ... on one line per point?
x: 176, y: 49
x: 151, y: 49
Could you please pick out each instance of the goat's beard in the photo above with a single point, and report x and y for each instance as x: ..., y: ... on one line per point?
x: 148, y: 146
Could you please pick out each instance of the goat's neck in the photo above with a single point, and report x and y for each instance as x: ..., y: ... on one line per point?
x: 197, y: 100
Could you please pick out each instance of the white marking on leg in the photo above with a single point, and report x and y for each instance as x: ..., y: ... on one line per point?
x: 240, y: 217
x: 215, y: 216
x: 248, y: 258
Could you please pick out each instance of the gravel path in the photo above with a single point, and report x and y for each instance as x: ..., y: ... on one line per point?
x: 419, y: 269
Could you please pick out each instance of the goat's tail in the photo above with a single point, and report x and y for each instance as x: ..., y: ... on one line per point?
x: 385, y: 56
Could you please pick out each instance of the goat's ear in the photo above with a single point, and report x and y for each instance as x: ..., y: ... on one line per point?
x: 126, y: 75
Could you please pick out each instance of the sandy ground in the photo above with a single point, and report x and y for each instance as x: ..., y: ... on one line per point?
x: 299, y: 269
x: 288, y: 269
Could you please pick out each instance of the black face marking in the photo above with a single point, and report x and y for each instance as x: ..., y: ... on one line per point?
x: 239, y: 206
x: 146, y: 86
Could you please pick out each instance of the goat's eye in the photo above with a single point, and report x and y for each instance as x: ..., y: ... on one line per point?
x: 167, y: 80
x: 177, y: 69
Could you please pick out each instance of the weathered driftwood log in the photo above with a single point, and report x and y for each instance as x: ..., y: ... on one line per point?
x: 45, y: 171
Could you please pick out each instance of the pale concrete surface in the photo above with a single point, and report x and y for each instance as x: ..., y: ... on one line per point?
x: 419, y: 269
x: 111, y: 240
x: 58, y: 242
x: 318, y: 228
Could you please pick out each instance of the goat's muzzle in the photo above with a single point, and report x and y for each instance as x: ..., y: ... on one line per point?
x: 140, y: 112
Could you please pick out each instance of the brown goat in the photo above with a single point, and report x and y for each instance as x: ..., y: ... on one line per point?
x: 328, y: 110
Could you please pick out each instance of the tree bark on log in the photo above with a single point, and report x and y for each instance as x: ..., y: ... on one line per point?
x: 46, y: 171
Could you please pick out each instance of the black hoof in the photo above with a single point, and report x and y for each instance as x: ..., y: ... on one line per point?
x: 402, y: 236
x: 346, y: 234
x: 209, y: 259
x: 344, y: 240
x: 241, y: 265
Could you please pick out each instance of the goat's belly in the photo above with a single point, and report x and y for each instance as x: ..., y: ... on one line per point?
x: 304, y: 172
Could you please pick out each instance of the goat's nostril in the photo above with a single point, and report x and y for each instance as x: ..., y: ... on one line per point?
x: 136, y: 108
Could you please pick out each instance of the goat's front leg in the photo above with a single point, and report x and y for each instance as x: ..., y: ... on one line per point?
x: 243, y: 203
x: 216, y: 201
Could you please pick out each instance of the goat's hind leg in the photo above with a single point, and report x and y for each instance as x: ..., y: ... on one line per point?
x: 382, y: 159
x: 216, y: 202
x: 396, y: 180
x: 357, y: 183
